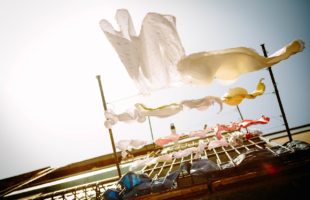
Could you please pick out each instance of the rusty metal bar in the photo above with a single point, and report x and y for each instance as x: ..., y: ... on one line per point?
x: 110, y: 130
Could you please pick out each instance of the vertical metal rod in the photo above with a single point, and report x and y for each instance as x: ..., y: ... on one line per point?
x: 239, y: 112
x: 110, y: 130
x: 278, y: 96
x: 241, y: 116
x: 150, y: 125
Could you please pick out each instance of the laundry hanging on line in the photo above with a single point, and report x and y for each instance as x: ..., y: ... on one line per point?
x: 140, y: 112
x: 236, y: 95
x: 127, y: 145
x: 156, y: 59
x: 150, y: 58
x: 229, y: 64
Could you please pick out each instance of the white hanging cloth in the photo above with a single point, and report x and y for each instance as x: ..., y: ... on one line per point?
x: 156, y: 59
x: 140, y: 112
x: 229, y: 64
x: 128, y: 145
x: 150, y: 57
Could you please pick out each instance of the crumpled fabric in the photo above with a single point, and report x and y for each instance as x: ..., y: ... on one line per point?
x: 203, y: 103
x: 247, y: 122
x: 217, y: 143
x: 199, y: 133
x: 129, y: 116
x: 236, y: 95
x: 138, y: 164
x: 112, y: 194
x: 192, y: 150
x: 236, y: 126
x: 220, y: 128
x: 140, y: 112
x: 297, y: 145
x: 203, y: 166
x: 229, y: 64
x: 150, y: 58
x: 164, y: 158
x: 167, y: 139
x: 235, y: 138
x: 127, y: 145
x: 250, y: 156
x: 253, y: 155
x: 162, y: 111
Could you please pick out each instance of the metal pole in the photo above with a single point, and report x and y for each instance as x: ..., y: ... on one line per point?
x: 241, y: 116
x: 239, y: 112
x: 110, y: 130
x: 150, y: 125
x: 278, y: 96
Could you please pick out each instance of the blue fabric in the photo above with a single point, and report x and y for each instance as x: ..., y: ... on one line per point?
x: 112, y: 194
x: 130, y: 180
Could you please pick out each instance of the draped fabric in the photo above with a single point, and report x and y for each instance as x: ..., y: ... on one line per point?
x: 156, y: 59
x: 141, y: 111
x: 237, y: 137
x: 236, y: 95
x: 151, y: 57
x: 127, y: 145
x: 203, y: 103
x: 217, y: 143
x: 248, y: 122
x: 219, y: 128
x: 236, y: 126
x: 197, y: 151
x: 167, y: 139
x: 229, y: 64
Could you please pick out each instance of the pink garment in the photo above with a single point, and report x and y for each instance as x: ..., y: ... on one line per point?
x: 217, y: 143
x: 167, y: 139
x: 247, y: 122
x: 192, y: 150
x: 220, y: 128
x: 164, y: 158
x: 199, y: 133
x: 236, y: 138
x: 184, y: 153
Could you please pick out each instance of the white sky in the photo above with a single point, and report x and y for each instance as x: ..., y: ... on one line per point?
x: 51, y: 51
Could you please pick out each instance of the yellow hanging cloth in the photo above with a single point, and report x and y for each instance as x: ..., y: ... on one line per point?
x: 236, y: 95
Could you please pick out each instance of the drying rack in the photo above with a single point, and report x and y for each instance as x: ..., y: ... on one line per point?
x: 186, y: 183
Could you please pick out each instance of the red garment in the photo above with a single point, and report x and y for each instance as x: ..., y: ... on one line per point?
x: 234, y: 126
x: 247, y: 122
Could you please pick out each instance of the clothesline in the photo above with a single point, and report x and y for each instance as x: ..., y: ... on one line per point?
x: 136, y: 95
